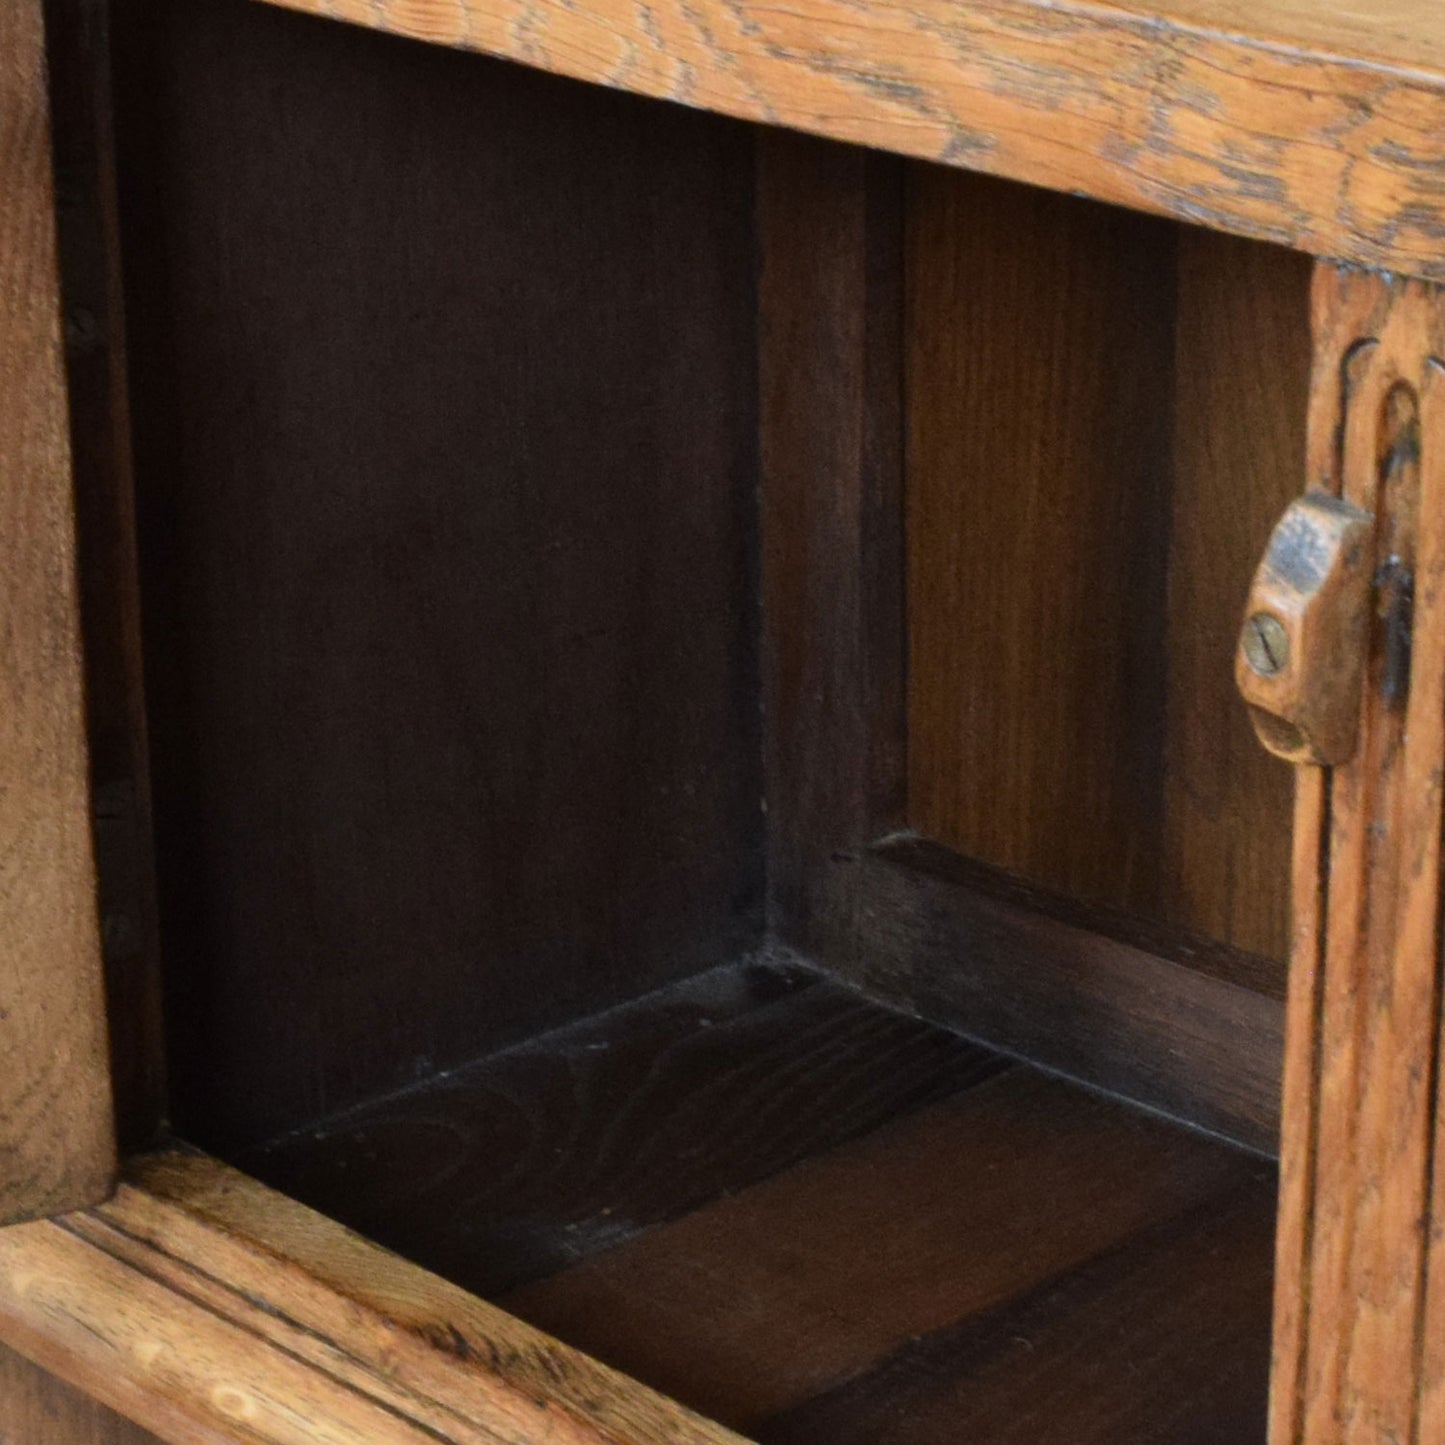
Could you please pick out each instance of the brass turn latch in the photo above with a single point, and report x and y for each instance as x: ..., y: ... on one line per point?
x: 1300, y: 659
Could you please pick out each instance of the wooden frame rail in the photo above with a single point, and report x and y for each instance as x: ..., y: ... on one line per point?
x: 208, y: 1308
x: 1181, y: 1024
x: 1359, y: 1306
x: 1317, y: 126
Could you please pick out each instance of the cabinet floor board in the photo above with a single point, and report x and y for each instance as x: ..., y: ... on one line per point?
x: 538, y: 1156
x: 1024, y: 1208
x: 1162, y: 1341
x: 812, y: 1218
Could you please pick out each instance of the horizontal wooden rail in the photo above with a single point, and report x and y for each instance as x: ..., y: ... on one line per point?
x: 1180, y: 1024
x: 1318, y: 126
x: 208, y: 1308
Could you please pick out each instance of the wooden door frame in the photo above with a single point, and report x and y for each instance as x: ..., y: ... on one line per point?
x: 57, y: 1145
x: 1360, y: 1298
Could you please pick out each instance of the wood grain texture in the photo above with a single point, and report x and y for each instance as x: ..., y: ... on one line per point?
x: 1241, y: 384
x: 1316, y: 128
x: 1163, y: 1341
x: 56, y: 1131
x: 1358, y: 1316
x: 38, y: 1409
x: 79, y: 62
x: 448, y: 550
x: 1169, y: 1020
x: 830, y: 375
x: 1105, y: 417
x: 526, y: 1163
x: 209, y: 1309
x: 1039, y: 389
x: 751, y: 1307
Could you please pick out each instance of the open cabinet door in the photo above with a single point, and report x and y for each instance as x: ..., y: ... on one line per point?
x: 1343, y: 657
x: 57, y: 1147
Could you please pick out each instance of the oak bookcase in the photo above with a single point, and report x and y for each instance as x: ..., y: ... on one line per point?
x: 625, y: 814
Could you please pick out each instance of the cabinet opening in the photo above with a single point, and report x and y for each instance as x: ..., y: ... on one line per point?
x: 695, y: 780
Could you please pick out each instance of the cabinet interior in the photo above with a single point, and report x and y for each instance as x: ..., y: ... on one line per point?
x: 501, y: 609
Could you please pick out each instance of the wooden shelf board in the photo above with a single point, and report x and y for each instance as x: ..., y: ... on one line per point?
x: 1319, y: 127
x: 1026, y: 1261
x: 792, y: 1208
x: 538, y: 1156
x: 1408, y: 34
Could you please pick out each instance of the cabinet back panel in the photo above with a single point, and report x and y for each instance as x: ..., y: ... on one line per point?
x: 1241, y: 377
x: 445, y: 396
x: 1105, y: 418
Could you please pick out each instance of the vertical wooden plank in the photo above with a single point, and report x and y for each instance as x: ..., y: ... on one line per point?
x: 1355, y: 1333
x: 1334, y: 327
x: 1241, y: 377
x: 830, y: 378
x: 83, y: 115
x: 1105, y: 417
x: 56, y: 1145
x: 1039, y: 334
x: 1422, y: 864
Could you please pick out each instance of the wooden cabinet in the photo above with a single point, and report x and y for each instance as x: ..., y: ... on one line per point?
x: 619, y: 698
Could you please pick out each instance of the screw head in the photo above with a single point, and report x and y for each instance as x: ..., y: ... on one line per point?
x: 1265, y: 643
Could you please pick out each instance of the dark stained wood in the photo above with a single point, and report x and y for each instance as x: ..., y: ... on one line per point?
x: 78, y: 56
x: 57, y: 1146
x: 1317, y: 125
x: 445, y: 380
x: 1105, y: 420
x: 1039, y: 390
x: 38, y: 1409
x: 830, y: 380
x: 1163, y: 1341
x: 766, y: 1299
x: 1079, y: 440
x: 1173, y: 1021
x: 1195, y: 951
x: 523, y: 1164
x: 1241, y: 379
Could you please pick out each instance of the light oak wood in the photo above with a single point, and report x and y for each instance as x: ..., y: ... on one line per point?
x: 208, y: 1308
x: 38, y: 1409
x: 1407, y: 33
x: 1358, y: 1326
x: 56, y: 1133
x: 1321, y: 127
